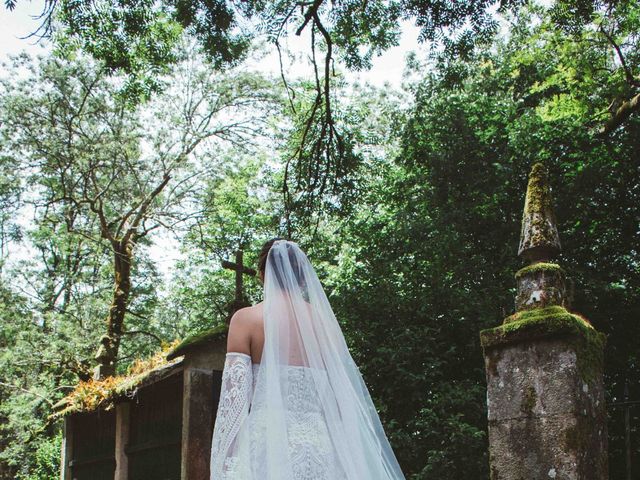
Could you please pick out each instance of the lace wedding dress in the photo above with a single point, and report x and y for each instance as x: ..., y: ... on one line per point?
x: 310, y: 449
x: 304, y: 412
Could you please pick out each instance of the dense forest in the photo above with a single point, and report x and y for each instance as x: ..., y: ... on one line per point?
x: 144, y: 125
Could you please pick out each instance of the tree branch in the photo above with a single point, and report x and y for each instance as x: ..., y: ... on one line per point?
x: 144, y: 206
x: 311, y: 12
x: 621, y: 115
x: 143, y: 332
x: 631, y: 80
x: 30, y: 392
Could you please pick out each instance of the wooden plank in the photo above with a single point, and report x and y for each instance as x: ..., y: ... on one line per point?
x: 67, y: 448
x: 93, y: 446
x: 91, y: 461
x: 122, y: 438
x: 153, y: 450
x: 143, y: 447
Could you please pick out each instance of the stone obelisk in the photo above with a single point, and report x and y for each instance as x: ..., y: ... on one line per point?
x: 545, y: 395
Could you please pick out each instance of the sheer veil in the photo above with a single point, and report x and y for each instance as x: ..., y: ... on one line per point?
x: 301, y: 330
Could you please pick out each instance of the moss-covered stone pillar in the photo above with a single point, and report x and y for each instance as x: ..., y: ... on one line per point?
x: 545, y: 395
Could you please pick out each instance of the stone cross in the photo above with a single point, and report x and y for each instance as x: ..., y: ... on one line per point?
x: 240, y: 270
x: 544, y: 366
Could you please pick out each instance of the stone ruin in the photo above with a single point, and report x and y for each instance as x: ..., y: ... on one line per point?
x: 544, y: 366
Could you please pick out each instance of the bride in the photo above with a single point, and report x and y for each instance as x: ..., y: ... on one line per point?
x: 293, y: 404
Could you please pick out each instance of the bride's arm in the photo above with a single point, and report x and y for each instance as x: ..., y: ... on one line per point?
x: 233, y: 408
x: 235, y: 398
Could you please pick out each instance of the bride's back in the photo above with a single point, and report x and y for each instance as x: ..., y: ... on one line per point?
x: 246, y: 335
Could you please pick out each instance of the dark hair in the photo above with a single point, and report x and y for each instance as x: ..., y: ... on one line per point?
x: 297, y: 269
x: 264, y: 253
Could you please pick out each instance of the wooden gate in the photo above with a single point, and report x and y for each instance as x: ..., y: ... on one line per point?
x: 154, y: 446
x: 94, y: 446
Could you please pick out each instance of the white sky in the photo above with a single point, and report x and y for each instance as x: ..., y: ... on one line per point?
x: 16, y: 24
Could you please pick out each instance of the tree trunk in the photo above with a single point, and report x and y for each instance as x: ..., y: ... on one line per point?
x: 107, y: 355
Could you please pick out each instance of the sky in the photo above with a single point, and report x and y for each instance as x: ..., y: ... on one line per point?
x: 17, y: 24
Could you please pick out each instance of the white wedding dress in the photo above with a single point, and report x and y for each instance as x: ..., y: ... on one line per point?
x: 310, y: 447
x: 303, y: 412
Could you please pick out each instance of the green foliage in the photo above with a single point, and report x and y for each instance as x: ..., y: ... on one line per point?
x: 140, y: 38
x: 135, y: 34
x: 239, y: 209
x: 369, y: 119
x: 46, y: 461
x: 32, y: 365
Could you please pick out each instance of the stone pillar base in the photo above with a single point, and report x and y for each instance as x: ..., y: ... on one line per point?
x: 545, y: 397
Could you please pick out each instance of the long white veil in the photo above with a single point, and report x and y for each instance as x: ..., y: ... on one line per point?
x: 301, y: 330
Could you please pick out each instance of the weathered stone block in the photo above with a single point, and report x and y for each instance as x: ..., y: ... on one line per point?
x: 197, y: 423
x: 67, y: 448
x: 545, y: 400
x: 540, y: 285
x: 202, y: 374
x: 123, y: 426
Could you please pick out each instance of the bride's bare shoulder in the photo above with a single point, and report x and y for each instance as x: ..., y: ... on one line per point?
x: 252, y: 313
x: 241, y: 326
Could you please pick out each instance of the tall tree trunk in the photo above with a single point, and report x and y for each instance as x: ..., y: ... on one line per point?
x: 107, y: 355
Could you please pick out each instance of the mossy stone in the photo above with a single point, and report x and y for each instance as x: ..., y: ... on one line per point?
x: 552, y: 321
x: 539, y: 231
x: 198, y: 339
x: 540, y: 267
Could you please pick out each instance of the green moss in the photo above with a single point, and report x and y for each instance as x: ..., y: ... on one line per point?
x: 198, y: 339
x: 92, y: 395
x: 538, y: 197
x: 537, y: 314
x: 549, y: 322
x: 538, y: 200
x: 540, y: 267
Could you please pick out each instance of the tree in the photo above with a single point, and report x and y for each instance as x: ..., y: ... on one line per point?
x: 137, y: 37
x: 238, y: 209
x: 601, y: 26
x: 10, y: 201
x: 113, y: 173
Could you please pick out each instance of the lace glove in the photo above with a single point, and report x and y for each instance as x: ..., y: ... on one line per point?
x: 233, y: 408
